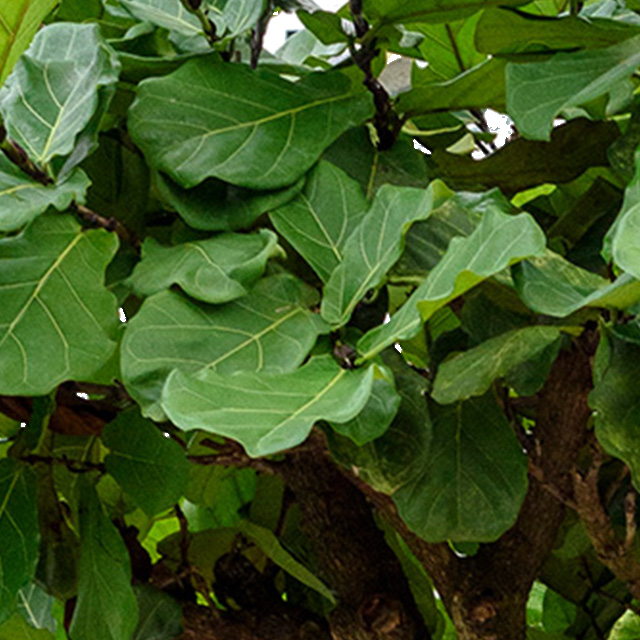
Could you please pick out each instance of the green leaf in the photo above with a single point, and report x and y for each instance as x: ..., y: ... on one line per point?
x: 271, y: 329
x: 36, y: 605
x: 627, y: 627
x: 499, y: 240
x: 548, y: 610
x: 55, y: 89
x: 160, y: 615
x: 18, y: 531
x: 474, y: 480
x: 626, y: 241
x: 267, y: 413
x: 57, y: 321
x: 373, y: 248
x: 320, y: 220
x: 471, y: 373
x: 22, y: 199
x: 151, y: 468
x: 19, y: 21
x: 16, y: 628
x: 538, y: 91
x: 556, y: 287
x: 264, y: 132
x: 271, y: 547
x: 106, y: 608
x: 216, y: 270
x: 168, y: 14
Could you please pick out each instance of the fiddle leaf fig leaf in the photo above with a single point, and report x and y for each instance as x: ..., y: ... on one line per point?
x: 18, y: 530
x: 160, y: 615
x: 55, y: 89
x: 57, y: 320
x: 499, y: 241
x: 216, y: 270
x: 270, y: 329
x: 320, y: 220
x: 264, y: 132
x: 168, y: 14
x: 472, y: 372
x: 152, y: 469
x: 267, y: 413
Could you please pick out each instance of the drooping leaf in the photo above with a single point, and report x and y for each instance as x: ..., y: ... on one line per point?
x: 216, y: 270
x: 152, y: 469
x: 57, y: 321
x: 474, y: 480
x: 267, y: 413
x: 19, y: 21
x: 159, y: 615
x: 264, y: 132
x: 499, y: 241
x: 472, y: 372
x: 373, y: 248
x: 538, y: 91
x: 320, y: 220
x: 55, y: 89
x: 271, y: 329
x: 18, y: 532
x: 22, y: 198
x: 106, y: 608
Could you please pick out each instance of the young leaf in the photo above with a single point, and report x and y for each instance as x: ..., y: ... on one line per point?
x: 267, y: 413
x: 152, y: 469
x: 264, y: 132
x: 54, y: 89
x: 57, y: 320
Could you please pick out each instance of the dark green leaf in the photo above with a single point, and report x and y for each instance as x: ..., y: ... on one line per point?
x: 160, y: 615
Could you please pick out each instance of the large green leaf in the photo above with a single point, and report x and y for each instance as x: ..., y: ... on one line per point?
x: 267, y: 413
x: 54, y: 89
x: 160, y: 615
x: 264, y: 132
x: 16, y: 628
x: 106, y: 608
x: 168, y: 14
x: 321, y: 219
x: 556, y: 287
x: 22, y: 198
x: 626, y: 242
x: 374, y: 247
x: 18, y: 531
x: 499, y: 241
x: 57, y: 320
x: 472, y: 372
x: 271, y: 329
x: 473, y: 481
x: 152, y: 469
x: 538, y: 91
x: 19, y: 21
x: 216, y: 270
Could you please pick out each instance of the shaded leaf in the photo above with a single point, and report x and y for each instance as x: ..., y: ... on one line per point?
x: 36, y: 605
x: 160, y: 615
x: 267, y: 413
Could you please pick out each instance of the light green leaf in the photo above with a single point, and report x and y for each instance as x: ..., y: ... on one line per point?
x: 19, y: 21
x: 474, y: 480
x: 106, y: 608
x: 16, y: 628
x: 374, y: 247
x: 626, y: 242
x: 36, y: 605
x: 168, y: 14
x: 627, y: 627
x: 22, y: 199
x: 271, y: 329
x: 538, y: 91
x: 320, y: 220
x: 271, y: 547
x: 471, y: 373
x: 267, y: 413
x: 160, y: 615
x: 264, y: 132
x: 55, y: 89
x: 18, y: 531
x: 216, y: 270
x: 57, y: 320
x: 238, y: 16
x: 548, y: 611
x: 499, y: 240
x: 556, y: 287
x: 152, y: 469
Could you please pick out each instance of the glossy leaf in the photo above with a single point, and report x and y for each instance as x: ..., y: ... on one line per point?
x: 57, y: 321
x: 54, y: 89
x: 264, y: 132
x: 320, y: 220
x: 267, y: 413
x: 151, y: 468
x: 216, y: 270
x: 18, y: 531
x: 271, y: 329
x: 373, y: 248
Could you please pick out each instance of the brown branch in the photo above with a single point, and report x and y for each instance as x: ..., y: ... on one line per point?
x: 109, y: 224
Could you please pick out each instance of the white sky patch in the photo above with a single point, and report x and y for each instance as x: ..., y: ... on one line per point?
x: 123, y: 317
x: 84, y: 396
